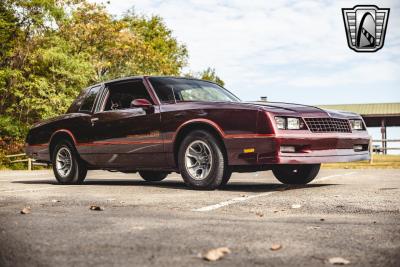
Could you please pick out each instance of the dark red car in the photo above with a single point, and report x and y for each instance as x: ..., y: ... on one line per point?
x: 159, y: 125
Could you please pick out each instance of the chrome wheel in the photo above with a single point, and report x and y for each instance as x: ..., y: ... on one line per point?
x: 198, y: 160
x: 64, y: 161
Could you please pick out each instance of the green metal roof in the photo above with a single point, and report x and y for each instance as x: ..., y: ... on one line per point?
x: 368, y: 109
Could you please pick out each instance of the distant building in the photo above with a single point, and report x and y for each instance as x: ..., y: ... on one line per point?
x: 375, y: 115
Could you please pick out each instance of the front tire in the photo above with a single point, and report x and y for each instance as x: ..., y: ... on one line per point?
x: 68, y: 168
x: 153, y: 176
x: 298, y: 174
x: 227, y: 176
x: 201, y: 160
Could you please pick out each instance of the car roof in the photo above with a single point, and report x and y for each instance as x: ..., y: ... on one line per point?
x: 149, y: 76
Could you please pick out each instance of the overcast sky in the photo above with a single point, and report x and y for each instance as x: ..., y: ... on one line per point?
x: 292, y: 51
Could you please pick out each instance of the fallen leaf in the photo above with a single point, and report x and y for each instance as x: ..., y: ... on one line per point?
x: 338, y: 261
x: 216, y: 254
x: 276, y: 247
x: 259, y: 214
x: 296, y: 206
x: 94, y: 207
x: 26, y: 210
x: 275, y: 211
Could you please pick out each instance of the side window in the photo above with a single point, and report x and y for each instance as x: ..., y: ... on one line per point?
x: 90, y: 97
x: 120, y: 95
x: 164, y: 91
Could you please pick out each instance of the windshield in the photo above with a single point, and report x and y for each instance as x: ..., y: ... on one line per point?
x: 180, y: 89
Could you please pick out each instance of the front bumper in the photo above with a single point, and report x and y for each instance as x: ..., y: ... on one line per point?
x: 310, y: 148
x: 322, y: 156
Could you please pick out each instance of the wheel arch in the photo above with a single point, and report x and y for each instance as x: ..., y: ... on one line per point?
x: 200, y: 124
x: 59, y: 135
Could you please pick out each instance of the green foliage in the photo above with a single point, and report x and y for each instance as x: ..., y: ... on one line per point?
x: 52, y: 49
x: 208, y: 74
x: 8, y: 31
x: 12, y: 129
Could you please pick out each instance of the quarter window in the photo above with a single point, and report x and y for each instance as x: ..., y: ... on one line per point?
x: 90, y: 97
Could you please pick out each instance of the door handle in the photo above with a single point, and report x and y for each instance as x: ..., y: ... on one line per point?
x: 93, y: 120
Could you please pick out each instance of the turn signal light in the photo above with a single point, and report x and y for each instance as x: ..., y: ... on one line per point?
x: 248, y: 150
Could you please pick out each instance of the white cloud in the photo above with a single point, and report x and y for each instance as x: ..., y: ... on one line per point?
x: 274, y: 44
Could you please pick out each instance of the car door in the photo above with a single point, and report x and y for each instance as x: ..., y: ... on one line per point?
x: 126, y: 137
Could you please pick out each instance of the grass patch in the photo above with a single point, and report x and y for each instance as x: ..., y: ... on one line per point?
x: 379, y: 162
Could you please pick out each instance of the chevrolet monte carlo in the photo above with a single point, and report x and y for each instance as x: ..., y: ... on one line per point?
x: 158, y: 125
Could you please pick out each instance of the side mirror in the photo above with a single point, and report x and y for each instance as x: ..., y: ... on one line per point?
x: 141, y: 103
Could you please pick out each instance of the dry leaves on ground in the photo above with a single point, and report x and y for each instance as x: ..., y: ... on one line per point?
x: 338, y: 261
x: 26, y: 210
x: 276, y: 247
x: 216, y: 254
x: 94, y: 207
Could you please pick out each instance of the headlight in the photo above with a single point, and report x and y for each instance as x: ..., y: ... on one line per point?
x: 288, y: 123
x: 280, y: 123
x: 356, y: 124
x: 293, y: 123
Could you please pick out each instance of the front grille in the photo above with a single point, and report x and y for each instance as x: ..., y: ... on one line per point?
x: 328, y: 125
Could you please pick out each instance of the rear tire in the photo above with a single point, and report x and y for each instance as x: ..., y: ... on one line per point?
x: 68, y: 168
x: 201, y: 160
x: 296, y: 173
x: 153, y: 176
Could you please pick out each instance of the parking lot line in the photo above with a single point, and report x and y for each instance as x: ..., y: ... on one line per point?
x: 334, y: 175
x: 232, y: 201
x: 245, y: 198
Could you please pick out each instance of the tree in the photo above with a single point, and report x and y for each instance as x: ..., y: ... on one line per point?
x: 208, y: 74
x: 163, y: 55
x: 132, y: 45
x: 51, y: 49
x: 9, y: 32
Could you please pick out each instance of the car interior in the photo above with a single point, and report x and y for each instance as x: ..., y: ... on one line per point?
x: 120, y: 95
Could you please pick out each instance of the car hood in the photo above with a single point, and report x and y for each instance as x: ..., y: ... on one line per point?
x: 303, y: 110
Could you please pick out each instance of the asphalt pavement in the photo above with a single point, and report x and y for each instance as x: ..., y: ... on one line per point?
x: 350, y: 214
